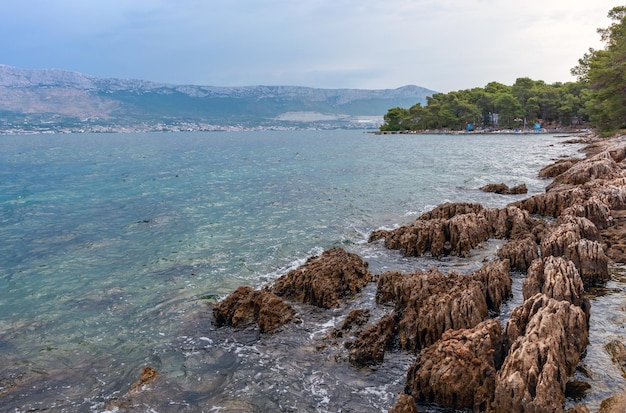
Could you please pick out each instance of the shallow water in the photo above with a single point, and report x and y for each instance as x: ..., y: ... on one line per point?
x: 114, y: 244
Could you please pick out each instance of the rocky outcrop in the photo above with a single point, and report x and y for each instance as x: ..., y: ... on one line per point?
x: 601, y: 166
x: 370, y: 346
x: 325, y: 280
x: 614, y: 404
x: 430, y: 303
x: 405, y: 404
x: 520, y: 253
x: 246, y: 306
x: 557, y: 278
x: 577, y: 239
x: 546, y: 339
x: 557, y: 168
x: 459, y: 370
x: 449, y: 209
x: 503, y: 189
x: 460, y: 233
x: 617, y: 350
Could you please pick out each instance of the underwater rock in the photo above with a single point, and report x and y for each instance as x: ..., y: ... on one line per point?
x: 405, y: 404
x: 370, y: 346
x: 546, y: 339
x: 324, y: 280
x: 246, y: 306
x: 459, y: 370
x: 148, y: 375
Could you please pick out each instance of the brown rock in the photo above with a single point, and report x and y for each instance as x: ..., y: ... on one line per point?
x: 594, y: 209
x: 459, y: 370
x: 405, y: 404
x: 547, y: 338
x: 520, y: 253
x: 450, y: 209
x: 579, y: 408
x: 614, y: 237
x: 589, y: 258
x: 503, y: 189
x: 617, y: 350
x: 558, y: 278
x: 600, y: 166
x: 496, y: 278
x: 552, y: 203
x: 557, y: 168
x: 568, y: 230
x: 369, y: 348
x: 148, y: 375
x: 246, y: 306
x: 614, y: 404
x: 325, y: 280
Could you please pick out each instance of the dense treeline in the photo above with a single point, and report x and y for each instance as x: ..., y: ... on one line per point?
x: 597, y: 97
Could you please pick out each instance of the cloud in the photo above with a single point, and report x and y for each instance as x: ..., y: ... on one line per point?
x: 444, y: 45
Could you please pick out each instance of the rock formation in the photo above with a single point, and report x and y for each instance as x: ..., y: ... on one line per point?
x: 503, y: 189
x: 246, y: 306
x: 520, y: 253
x: 546, y: 339
x: 325, y: 280
x: 370, y: 346
x: 459, y: 370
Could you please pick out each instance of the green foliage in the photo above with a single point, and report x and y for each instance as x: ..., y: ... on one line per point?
x: 521, y: 105
x: 604, y: 72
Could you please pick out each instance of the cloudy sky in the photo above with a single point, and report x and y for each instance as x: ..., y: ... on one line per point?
x: 443, y: 45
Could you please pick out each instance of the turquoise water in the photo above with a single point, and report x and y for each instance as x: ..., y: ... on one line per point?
x: 111, y: 243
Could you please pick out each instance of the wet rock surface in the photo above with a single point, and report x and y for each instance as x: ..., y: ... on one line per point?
x: 503, y: 189
x: 463, y: 358
x: 246, y: 306
x: 459, y: 370
x: 325, y: 280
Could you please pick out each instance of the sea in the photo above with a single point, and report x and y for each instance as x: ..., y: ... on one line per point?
x: 114, y: 247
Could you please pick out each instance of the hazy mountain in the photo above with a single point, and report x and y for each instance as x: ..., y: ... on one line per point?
x: 50, y: 98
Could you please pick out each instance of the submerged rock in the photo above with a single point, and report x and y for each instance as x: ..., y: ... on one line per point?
x: 246, y: 306
x: 325, y: 280
x: 370, y: 346
x: 459, y: 370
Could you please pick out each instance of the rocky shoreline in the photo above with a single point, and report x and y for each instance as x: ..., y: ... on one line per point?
x: 564, y: 239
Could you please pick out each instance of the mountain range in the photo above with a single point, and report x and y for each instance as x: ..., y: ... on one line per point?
x: 42, y: 100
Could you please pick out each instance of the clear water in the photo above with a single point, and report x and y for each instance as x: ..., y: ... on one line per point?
x: 112, y: 245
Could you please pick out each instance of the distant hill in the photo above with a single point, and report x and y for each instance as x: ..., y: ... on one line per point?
x: 58, y: 100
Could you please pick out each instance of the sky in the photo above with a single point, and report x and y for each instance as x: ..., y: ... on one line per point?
x: 443, y: 45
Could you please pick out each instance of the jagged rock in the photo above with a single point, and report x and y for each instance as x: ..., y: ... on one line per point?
x: 430, y: 303
x: 323, y: 281
x: 496, y: 277
x: 600, y: 166
x: 520, y: 253
x: 557, y: 168
x: 566, y: 231
x: 614, y: 404
x: 589, y: 258
x: 450, y: 209
x: 546, y: 338
x: 509, y: 222
x: 369, y: 347
x: 614, y: 237
x: 503, y: 189
x: 557, y: 278
x: 246, y: 306
x: 459, y: 370
x: 594, y: 210
x: 617, y: 350
x: 405, y: 404
x: 576, y: 389
x: 552, y: 203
